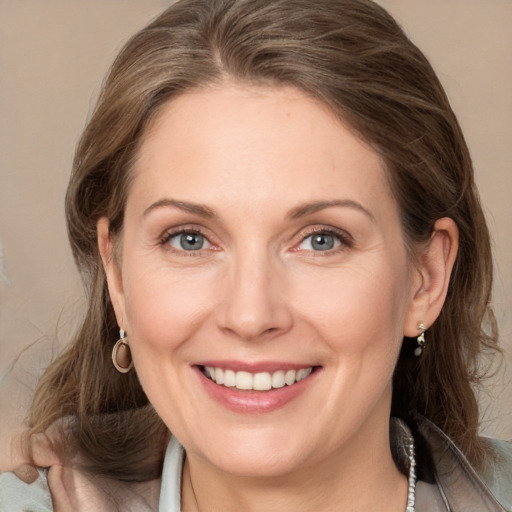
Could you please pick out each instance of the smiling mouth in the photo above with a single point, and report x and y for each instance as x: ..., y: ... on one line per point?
x: 260, y: 381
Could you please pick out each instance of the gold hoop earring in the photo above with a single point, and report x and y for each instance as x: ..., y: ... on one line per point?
x: 420, y: 340
x: 121, y: 354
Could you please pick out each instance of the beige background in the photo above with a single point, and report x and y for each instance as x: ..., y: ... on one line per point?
x: 53, y: 56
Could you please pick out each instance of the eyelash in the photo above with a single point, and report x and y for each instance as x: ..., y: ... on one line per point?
x: 169, y: 235
x: 342, y: 237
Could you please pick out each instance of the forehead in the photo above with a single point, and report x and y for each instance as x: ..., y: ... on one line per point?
x: 257, y: 144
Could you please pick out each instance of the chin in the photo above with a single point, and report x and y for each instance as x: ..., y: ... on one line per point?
x: 255, y: 455
x: 257, y: 463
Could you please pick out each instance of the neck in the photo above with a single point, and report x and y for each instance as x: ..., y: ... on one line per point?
x: 360, y: 477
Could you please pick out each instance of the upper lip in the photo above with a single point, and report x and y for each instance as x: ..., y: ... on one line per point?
x: 254, y: 366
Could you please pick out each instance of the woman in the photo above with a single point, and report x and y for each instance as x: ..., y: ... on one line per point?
x: 288, y: 269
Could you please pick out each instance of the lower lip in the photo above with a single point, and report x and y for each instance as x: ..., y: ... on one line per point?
x: 251, y: 402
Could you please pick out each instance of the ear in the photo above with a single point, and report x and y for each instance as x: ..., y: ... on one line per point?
x: 431, y: 276
x: 112, y: 270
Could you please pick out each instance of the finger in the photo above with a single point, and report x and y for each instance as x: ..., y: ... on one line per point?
x: 27, y: 473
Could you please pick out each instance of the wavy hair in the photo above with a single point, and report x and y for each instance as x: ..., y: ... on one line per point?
x: 352, y: 56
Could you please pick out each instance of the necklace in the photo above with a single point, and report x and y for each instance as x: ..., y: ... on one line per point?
x: 411, y: 492
x: 170, y: 494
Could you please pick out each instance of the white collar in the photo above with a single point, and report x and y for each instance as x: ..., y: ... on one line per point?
x: 170, y: 492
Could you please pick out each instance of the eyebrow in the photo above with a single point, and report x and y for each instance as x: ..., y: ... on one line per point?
x: 316, y: 206
x: 195, y: 208
x: 299, y: 211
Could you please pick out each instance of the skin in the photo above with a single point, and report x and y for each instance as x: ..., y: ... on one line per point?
x: 258, y: 291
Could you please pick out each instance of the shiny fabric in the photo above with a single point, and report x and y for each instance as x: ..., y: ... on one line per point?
x: 455, y: 485
x: 460, y: 487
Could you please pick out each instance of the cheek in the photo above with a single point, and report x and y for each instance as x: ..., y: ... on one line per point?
x: 164, y: 308
x: 359, y: 298
x: 360, y: 312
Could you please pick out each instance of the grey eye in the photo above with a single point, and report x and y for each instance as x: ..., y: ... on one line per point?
x: 320, y: 242
x: 189, y: 241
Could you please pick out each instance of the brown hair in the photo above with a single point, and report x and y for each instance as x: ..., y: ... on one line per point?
x: 350, y: 55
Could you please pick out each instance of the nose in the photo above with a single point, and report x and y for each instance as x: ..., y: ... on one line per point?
x: 254, y: 305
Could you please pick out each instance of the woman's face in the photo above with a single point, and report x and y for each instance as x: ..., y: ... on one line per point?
x: 264, y: 283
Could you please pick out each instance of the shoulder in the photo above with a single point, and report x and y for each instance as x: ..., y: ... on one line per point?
x: 57, y: 479
x: 463, y: 486
x: 497, y: 475
x: 68, y: 488
x: 16, y: 495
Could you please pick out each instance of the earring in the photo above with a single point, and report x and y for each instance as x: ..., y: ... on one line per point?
x: 121, y: 354
x: 420, y: 340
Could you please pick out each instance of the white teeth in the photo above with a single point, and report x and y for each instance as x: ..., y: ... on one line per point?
x: 229, y: 378
x: 219, y: 376
x: 243, y: 380
x: 278, y: 380
x: 261, y: 381
x: 301, y: 374
x: 289, y: 378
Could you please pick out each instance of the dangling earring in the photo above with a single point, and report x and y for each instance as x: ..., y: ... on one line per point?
x: 420, y: 340
x: 121, y: 354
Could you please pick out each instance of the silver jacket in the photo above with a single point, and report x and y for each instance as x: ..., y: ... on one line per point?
x: 453, y: 484
x: 448, y: 482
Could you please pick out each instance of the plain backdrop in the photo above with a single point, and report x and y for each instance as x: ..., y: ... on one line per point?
x: 53, y: 57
